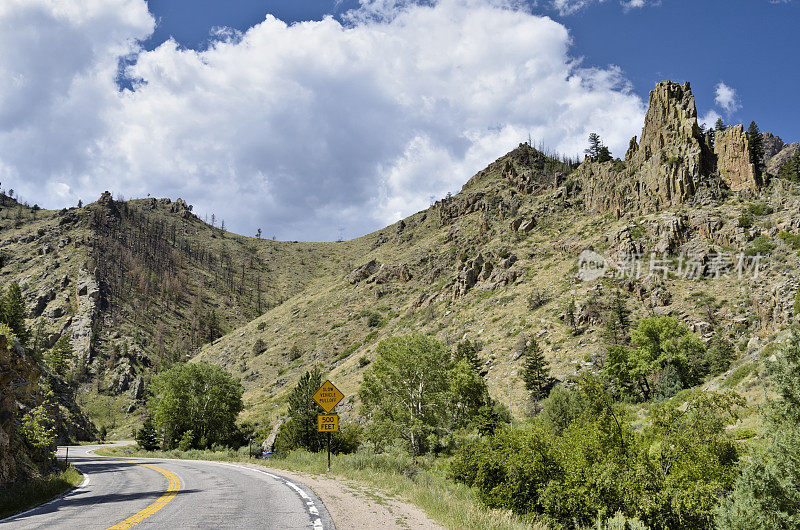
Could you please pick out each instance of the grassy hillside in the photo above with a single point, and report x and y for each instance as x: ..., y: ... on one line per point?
x: 495, y: 262
x: 335, y: 322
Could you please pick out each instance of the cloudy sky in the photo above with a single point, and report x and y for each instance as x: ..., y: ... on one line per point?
x: 328, y: 118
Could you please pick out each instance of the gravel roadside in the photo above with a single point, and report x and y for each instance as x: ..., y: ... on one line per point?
x: 355, y: 506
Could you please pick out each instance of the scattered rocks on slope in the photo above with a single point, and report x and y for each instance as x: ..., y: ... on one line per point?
x: 379, y: 273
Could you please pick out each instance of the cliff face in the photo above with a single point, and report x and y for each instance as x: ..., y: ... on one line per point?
x: 671, y: 160
x: 733, y: 160
x: 18, y: 392
x: 663, y: 169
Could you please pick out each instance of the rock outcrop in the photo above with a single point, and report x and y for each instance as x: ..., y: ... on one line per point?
x: 670, y: 154
x: 777, y: 161
x: 379, y: 273
x: 18, y: 392
x: 733, y: 160
x: 663, y: 168
x: 671, y: 161
x: 772, y: 144
x: 88, y: 295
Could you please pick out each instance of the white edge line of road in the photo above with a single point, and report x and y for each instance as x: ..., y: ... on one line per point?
x: 309, y: 502
x: 72, y: 489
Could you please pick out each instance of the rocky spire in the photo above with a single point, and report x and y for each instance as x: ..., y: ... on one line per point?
x: 670, y: 160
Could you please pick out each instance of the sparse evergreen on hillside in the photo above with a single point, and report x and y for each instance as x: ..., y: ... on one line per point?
x: 791, y: 169
x: 60, y: 356
x: 756, y: 144
x: 535, y: 373
x: 618, y: 322
x: 12, y: 312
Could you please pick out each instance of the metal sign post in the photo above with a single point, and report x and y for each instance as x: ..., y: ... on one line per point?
x: 327, y: 397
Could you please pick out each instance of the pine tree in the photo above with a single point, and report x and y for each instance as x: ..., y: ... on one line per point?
x: 604, y: 155
x: 594, y: 146
x: 13, y: 312
x: 468, y: 351
x: 147, y: 436
x: 301, y: 429
x: 569, y: 317
x: 618, y: 321
x: 60, y: 355
x: 719, y: 125
x: 536, y: 373
x: 791, y: 169
x: 756, y: 144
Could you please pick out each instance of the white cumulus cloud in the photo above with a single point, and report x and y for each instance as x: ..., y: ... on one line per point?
x: 299, y: 129
x: 726, y: 98
x: 570, y: 7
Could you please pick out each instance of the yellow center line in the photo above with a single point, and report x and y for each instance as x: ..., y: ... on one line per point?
x: 172, y: 490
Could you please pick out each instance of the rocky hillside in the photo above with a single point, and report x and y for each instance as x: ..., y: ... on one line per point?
x: 531, y: 246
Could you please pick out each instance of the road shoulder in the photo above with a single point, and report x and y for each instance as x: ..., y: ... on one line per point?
x: 354, y: 505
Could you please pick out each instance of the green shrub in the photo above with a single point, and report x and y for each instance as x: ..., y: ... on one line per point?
x: 760, y: 208
x: 186, y: 440
x: 761, y: 245
x: 294, y: 353
x: 792, y: 240
x: 200, y: 397
x: 746, y: 220
x: 738, y: 375
x: 374, y: 320
x: 721, y: 354
x: 537, y: 299
x: 767, y: 491
x: 561, y: 408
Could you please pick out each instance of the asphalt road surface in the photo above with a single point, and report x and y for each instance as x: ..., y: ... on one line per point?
x: 123, y: 493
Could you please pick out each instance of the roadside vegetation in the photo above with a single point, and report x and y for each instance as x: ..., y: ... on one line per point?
x: 637, y: 444
x: 21, y: 496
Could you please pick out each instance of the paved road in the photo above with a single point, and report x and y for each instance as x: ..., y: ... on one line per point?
x: 153, y: 493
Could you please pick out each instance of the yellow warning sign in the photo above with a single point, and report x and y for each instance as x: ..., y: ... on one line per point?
x: 328, y: 423
x: 328, y: 396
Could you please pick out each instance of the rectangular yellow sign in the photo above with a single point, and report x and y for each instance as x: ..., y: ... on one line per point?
x: 328, y: 423
x: 328, y: 396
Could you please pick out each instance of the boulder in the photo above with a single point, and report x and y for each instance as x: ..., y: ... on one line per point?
x: 363, y: 272
x: 388, y: 272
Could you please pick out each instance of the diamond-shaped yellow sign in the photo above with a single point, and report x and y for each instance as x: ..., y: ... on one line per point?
x: 328, y: 396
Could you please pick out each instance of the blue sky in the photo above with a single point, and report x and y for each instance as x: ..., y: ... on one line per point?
x: 751, y: 45
x: 268, y: 115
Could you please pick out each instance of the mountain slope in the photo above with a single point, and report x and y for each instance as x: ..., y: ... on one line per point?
x: 140, y: 284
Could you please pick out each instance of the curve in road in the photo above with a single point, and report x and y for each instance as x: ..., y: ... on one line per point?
x: 161, y: 493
